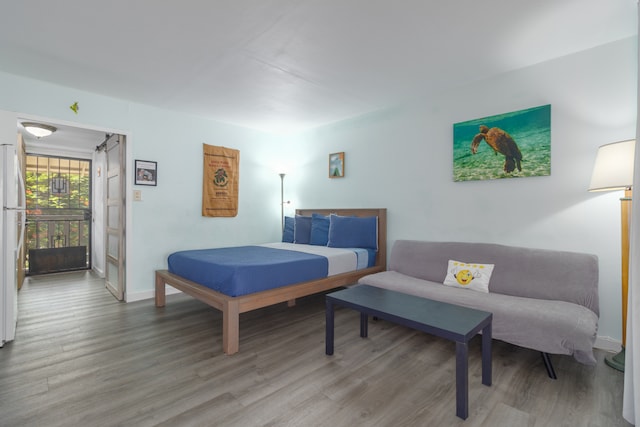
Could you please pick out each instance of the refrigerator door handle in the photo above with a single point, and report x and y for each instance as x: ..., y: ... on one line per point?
x: 23, y: 191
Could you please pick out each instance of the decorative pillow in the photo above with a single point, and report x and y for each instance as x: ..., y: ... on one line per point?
x: 353, y: 232
x: 287, y: 233
x: 302, y: 229
x: 469, y: 275
x: 319, y: 230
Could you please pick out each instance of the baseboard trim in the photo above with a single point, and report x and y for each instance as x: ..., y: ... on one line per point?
x: 608, y: 344
x: 98, y: 271
x: 139, y: 296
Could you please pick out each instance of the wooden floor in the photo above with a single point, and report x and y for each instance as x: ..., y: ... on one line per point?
x: 80, y: 358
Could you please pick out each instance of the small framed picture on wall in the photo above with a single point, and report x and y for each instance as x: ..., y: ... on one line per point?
x: 336, y: 165
x: 146, y: 172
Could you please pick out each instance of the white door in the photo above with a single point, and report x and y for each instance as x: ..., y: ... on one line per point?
x: 8, y: 227
x: 115, y: 216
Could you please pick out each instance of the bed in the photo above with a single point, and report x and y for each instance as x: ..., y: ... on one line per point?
x: 232, y: 306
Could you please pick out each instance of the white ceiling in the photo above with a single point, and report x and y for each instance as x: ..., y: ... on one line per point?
x: 287, y: 65
x: 66, y: 141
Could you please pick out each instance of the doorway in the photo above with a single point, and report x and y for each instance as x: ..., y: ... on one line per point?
x: 100, y: 225
x: 58, y: 218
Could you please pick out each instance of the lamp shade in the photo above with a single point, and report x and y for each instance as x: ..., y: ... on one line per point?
x: 613, y: 169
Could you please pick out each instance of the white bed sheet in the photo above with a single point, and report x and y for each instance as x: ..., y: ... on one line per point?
x: 340, y: 260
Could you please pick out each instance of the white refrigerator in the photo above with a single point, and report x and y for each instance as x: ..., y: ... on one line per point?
x: 11, y: 228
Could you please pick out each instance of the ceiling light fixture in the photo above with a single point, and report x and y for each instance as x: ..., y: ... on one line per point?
x: 39, y: 130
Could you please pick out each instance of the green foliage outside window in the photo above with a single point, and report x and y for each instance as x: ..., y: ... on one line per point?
x: 58, y: 197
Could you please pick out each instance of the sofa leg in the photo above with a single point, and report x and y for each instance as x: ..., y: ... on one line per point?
x: 547, y: 364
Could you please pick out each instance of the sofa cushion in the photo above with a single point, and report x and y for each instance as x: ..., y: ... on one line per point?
x: 524, y: 272
x: 557, y: 327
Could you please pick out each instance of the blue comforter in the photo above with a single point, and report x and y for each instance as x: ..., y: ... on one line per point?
x: 245, y: 270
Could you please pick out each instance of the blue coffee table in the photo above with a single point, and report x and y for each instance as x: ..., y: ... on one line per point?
x: 449, y: 321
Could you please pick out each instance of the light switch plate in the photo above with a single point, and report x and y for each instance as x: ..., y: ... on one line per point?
x: 137, y: 195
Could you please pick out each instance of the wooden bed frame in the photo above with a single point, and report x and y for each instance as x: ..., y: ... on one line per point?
x: 231, y: 307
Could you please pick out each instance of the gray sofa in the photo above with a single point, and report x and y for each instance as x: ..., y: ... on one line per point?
x: 544, y: 300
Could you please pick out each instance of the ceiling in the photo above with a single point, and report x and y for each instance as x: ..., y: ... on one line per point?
x: 66, y: 141
x: 289, y: 65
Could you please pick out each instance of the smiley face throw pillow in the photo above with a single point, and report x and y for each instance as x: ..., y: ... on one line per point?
x: 469, y: 275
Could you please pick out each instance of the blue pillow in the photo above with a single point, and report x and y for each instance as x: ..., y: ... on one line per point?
x: 302, y: 229
x: 287, y: 233
x: 353, y: 232
x: 319, y: 230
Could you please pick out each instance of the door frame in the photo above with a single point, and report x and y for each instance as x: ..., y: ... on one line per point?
x: 128, y: 176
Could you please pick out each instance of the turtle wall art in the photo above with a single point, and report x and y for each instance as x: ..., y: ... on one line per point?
x: 509, y: 145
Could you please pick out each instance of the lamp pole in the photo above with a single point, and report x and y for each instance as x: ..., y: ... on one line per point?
x: 617, y: 361
x: 282, y: 200
x: 613, y: 170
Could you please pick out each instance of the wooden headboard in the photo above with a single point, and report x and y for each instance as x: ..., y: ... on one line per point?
x: 381, y: 213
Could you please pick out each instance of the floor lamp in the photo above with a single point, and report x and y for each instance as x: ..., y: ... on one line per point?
x: 282, y: 202
x: 613, y: 170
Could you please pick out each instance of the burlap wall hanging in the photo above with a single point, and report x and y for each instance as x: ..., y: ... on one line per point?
x: 221, y: 178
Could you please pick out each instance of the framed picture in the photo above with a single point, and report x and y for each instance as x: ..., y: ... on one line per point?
x: 146, y: 172
x: 336, y: 165
x: 509, y: 145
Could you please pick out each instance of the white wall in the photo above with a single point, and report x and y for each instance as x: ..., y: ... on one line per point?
x: 399, y: 159
x: 168, y: 218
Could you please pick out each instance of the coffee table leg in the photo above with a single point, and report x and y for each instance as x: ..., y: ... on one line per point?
x: 486, y: 355
x: 364, y: 325
x: 462, y: 380
x: 329, y: 328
